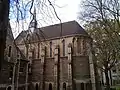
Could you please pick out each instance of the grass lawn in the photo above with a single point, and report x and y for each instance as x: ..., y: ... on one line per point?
x: 117, y: 87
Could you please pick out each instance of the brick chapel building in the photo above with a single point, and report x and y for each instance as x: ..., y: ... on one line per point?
x: 60, y: 57
x: 11, y: 77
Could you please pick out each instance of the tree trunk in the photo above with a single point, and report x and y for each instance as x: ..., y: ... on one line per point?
x: 107, y: 80
x: 4, y: 15
x: 110, y: 77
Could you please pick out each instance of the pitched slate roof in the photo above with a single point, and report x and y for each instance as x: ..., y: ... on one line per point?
x: 70, y: 28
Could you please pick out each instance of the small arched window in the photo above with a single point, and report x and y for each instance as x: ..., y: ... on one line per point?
x: 9, y: 88
x: 36, y: 86
x: 82, y: 86
x: 50, y: 86
x: 11, y: 72
x: 64, y: 86
x: 9, y: 51
x: 29, y: 68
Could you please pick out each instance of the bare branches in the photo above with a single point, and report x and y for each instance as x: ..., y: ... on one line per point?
x: 56, y: 16
x: 54, y: 10
x: 106, y: 43
x: 45, y: 9
x: 100, y: 9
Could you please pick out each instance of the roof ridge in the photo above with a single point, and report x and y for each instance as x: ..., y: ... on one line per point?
x: 52, y: 31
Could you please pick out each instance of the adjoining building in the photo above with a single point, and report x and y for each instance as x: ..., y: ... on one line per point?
x: 113, y: 74
x: 10, y: 77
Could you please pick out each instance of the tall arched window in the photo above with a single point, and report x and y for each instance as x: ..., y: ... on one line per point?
x: 33, y: 54
x: 84, y: 46
x: 73, y: 42
x: 9, y: 51
x: 64, y: 86
x: 63, y: 46
x: 79, y: 46
x: 50, y: 86
x: 9, y: 88
x: 82, y: 86
x: 38, y: 56
x: 36, y: 87
x: 50, y: 49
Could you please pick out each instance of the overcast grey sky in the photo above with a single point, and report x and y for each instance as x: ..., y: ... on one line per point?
x: 70, y: 9
x: 67, y: 12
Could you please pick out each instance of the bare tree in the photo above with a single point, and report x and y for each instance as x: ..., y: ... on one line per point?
x: 106, y: 52
x: 103, y: 24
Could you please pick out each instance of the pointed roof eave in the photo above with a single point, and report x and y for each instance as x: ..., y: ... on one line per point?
x: 9, y: 32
